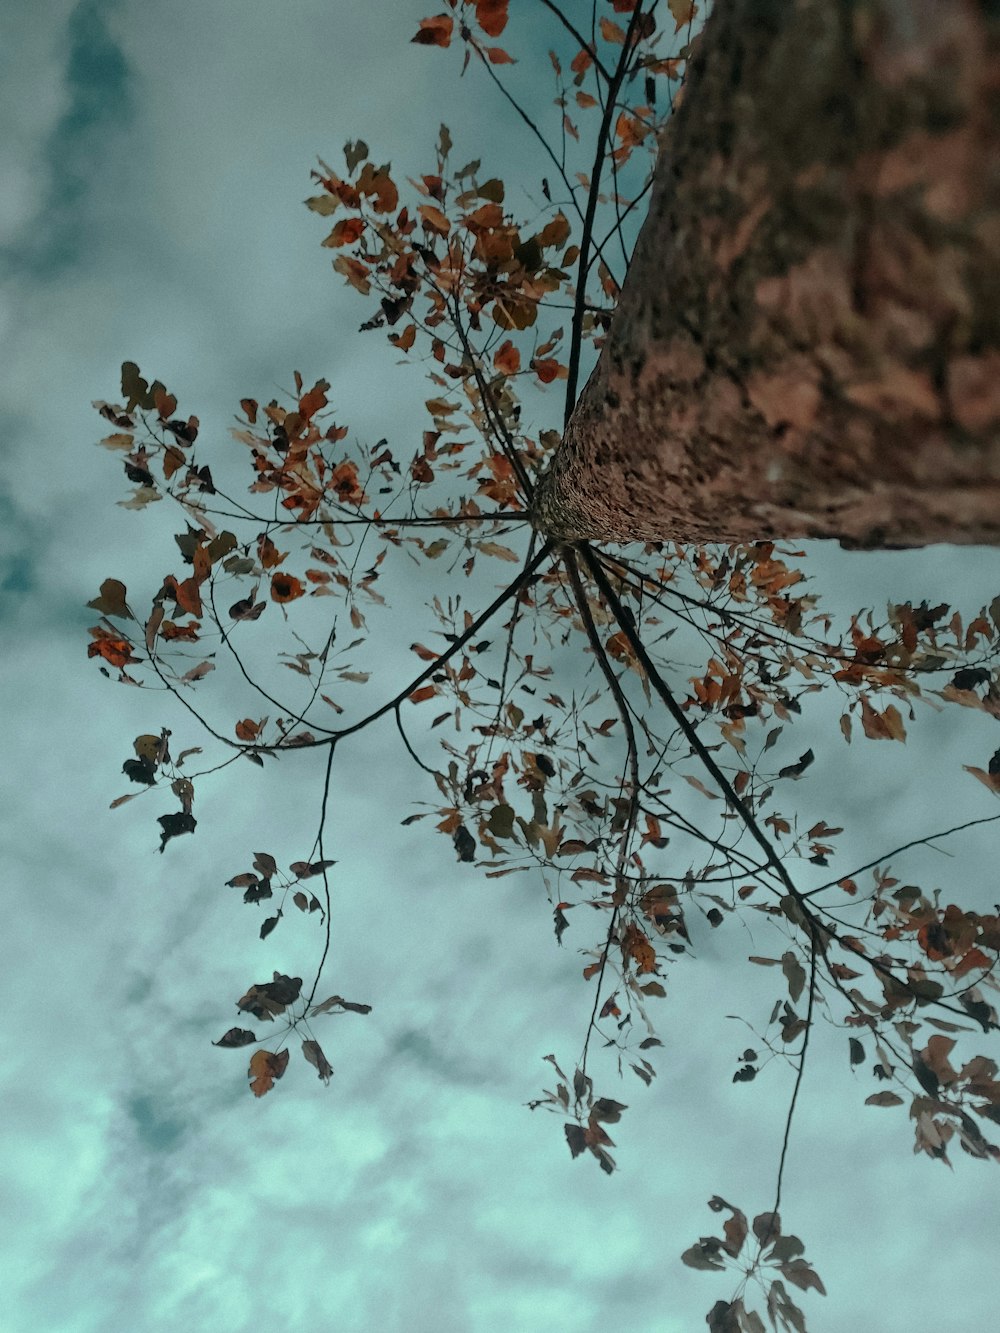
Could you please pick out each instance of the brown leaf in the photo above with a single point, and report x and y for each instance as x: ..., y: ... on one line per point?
x: 884, y: 1099
x: 314, y: 1054
x: 236, y: 1037
x: 112, y: 600
x: 152, y: 625
x: 887, y: 726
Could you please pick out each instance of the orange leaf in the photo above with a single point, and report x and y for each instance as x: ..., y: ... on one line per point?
x: 637, y: 946
x: 548, y: 369
x: 425, y: 692
x: 435, y: 31
x: 285, y: 587
x: 188, y: 596
x: 611, y: 32
x: 491, y: 15
x: 248, y: 730
x: 346, y: 232
x: 498, y: 56
x: 114, y: 650
x: 581, y: 62
x: 507, y: 359
x: 975, y: 958
x: 312, y: 402
x: 404, y: 340
x: 265, y: 1067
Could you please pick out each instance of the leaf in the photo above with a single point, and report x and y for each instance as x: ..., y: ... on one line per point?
x: 435, y: 31
x: 495, y: 549
x: 314, y: 1054
x: 338, y: 1002
x: 465, y: 844
x: 794, y: 974
x: 491, y: 15
x: 635, y: 945
x: 990, y: 780
x: 152, y: 626
x: 174, y: 825
x: 798, y: 768
x: 548, y: 369
x: 345, y: 232
x: 706, y: 1255
x: 683, y: 12
x: 269, y: 925
x: 884, y: 1099
x: 434, y: 219
x: 501, y: 821
x: 802, y: 1273
x: 236, y: 1037
x: 887, y: 726
x: 112, y: 600
x: 265, y: 1068
x: 285, y: 587
x: 139, y: 770
x: 355, y: 273
x: 507, y: 359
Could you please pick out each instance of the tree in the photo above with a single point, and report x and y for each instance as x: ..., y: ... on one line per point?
x: 568, y: 712
x: 817, y: 281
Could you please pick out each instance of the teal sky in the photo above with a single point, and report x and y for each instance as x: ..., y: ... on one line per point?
x: 154, y: 160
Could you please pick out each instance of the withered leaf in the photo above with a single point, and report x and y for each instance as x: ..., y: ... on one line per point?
x: 338, y: 1002
x: 314, y: 1054
x: 236, y: 1037
x: 112, y: 600
x: 174, y: 825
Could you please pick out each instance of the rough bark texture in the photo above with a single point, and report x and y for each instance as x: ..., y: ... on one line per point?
x: 808, y: 340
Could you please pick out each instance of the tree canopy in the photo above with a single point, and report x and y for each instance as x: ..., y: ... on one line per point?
x: 617, y: 720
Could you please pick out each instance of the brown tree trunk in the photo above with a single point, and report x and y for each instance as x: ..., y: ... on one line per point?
x: 808, y: 339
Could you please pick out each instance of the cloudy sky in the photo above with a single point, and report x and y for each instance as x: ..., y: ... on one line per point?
x: 154, y: 160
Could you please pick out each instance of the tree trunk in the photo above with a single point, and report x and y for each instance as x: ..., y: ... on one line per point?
x: 808, y: 339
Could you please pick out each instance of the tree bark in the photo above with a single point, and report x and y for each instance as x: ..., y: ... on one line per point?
x: 808, y: 338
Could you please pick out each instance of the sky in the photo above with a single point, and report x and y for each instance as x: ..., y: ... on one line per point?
x: 155, y: 159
